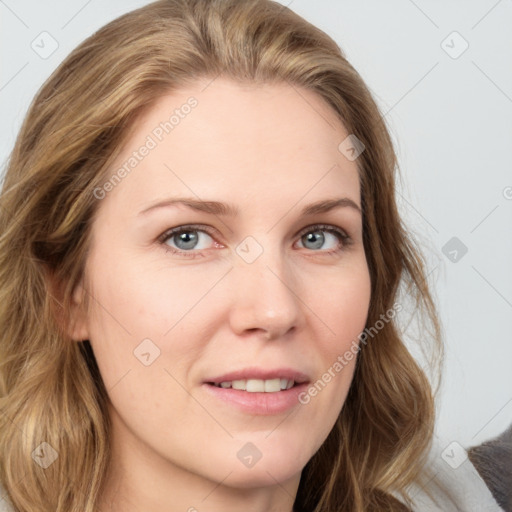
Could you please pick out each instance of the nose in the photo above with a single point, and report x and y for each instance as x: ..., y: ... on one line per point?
x: 265, y: 297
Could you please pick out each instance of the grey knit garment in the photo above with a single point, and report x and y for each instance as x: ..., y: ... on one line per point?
x: 493, y: 460
x: 452, y: 484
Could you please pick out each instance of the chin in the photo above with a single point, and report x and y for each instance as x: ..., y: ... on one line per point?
x: 264, y: 475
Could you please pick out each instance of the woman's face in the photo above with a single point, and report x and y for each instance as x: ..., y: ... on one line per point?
x: 249, y: 291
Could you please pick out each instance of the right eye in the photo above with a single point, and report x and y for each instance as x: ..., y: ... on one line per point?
x: 184, y: 240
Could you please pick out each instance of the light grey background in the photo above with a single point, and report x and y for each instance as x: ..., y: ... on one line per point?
x: 451, y: 119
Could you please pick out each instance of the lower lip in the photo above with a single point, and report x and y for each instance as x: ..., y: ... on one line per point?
x: 258, y: 403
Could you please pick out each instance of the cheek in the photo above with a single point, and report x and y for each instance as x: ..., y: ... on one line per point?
x: 342, y: 312
x: 154, y: 293
x: 342, y: 306
x: 139, y: 308
x: 139, y: 298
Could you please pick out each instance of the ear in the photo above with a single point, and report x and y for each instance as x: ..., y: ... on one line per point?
x: 72, y: 323
x: 78, y: 328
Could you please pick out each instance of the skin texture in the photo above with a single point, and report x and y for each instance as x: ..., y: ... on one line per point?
x: 270, y: 151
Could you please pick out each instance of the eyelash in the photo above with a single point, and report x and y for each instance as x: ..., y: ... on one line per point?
x: 344, y: 239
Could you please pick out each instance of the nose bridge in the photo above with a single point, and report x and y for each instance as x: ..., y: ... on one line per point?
x: 265, y: 295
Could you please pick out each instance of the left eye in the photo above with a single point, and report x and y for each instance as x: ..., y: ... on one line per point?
x: 190, y: 239
x: 317, y: 239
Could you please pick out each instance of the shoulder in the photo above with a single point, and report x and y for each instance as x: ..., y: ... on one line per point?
x: 451, y: 482
x: 493, y: 460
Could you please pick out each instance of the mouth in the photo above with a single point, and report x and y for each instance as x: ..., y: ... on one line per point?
x: 257, y: 385
x: 257, y: 391
x: 257, y: 396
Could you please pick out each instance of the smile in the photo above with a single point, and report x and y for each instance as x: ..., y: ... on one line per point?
x: 258, y: 385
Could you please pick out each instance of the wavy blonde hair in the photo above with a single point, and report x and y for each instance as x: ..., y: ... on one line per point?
x: 50, y: 387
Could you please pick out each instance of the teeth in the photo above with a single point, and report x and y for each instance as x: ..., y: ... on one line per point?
x: 238, y: 384
x: 258, y: 385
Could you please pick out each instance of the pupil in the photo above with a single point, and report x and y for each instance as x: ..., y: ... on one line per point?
x: 185, y: 240
x: 317, y: 238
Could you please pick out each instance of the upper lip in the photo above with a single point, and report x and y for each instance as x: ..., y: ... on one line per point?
x: 260, y: 373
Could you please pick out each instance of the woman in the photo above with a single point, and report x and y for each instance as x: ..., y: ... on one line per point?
x: 201, y: 266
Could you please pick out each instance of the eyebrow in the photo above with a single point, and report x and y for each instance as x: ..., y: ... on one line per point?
x: 226, y: 209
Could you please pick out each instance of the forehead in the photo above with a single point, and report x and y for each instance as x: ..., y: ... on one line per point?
x: 271, y: 140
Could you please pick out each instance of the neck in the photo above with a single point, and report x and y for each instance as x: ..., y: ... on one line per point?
x: 139, y: 479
